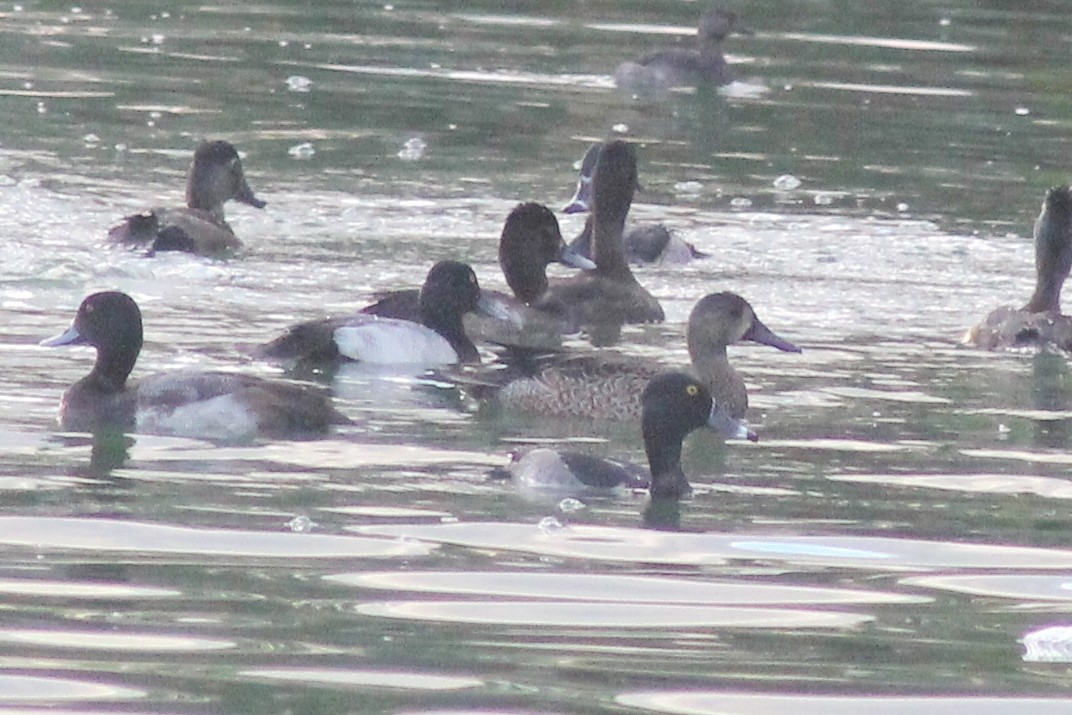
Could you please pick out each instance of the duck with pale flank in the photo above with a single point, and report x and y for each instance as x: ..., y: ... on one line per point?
x: 438, y: 338
x: 215, y: 405
x: 215, y: 177
x: 604, y: 298
x: 1039, y: 324
x: 531, y: 240
x: 704, y: 65
x: 608, y: 387
x: 651, y: 243
x: 673, y: 405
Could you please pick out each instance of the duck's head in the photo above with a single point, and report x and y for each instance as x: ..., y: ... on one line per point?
x: 720, y: 319
x: 582, y: 197
x: 216, y: 176
x: 719, y: 24
x: 531, y: 239
x: 103, y: 319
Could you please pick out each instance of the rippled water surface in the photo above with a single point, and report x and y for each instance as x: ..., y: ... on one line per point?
x: 897, y: 541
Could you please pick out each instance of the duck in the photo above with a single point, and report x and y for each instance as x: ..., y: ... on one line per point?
x: 531, y: 240
x: 438, y: 338
x: 705, y: 65
x: 600, y: 300
x: 647, y: 244
x: 599, y: 386
x: 190, y: 403
x: 215, y: 177
x: 673, y: 405
x: 1040, y: 323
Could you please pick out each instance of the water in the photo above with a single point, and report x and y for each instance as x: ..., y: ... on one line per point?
x: 897, y: 532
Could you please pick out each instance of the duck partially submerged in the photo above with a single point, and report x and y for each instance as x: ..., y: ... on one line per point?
x: 1039, y: 324
x: 650, y: 243
x: 604, y: 387
x: 215, y: 177
x: 673, y: 405
x: 704, y: 65
x: 214, y: 405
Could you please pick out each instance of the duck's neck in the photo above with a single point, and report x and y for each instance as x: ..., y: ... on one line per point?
x: 664, y: 459
x: 713, y: 368
x: 1053, y: 260
x: 608, y: 251
x: 450, y: 326
x: 526, y: 276
x: 113, y: 366
x: 202, y: 201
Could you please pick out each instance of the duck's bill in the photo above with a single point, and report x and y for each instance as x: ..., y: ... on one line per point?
x: 495, y: 307
x: 760, y: 333
x: 572, y: 258
x: 582, y: 198
x: 245, y: 196
x: 70, y: 336
x: 729, y: 427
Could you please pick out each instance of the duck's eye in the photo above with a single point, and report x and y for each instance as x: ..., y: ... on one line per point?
x: 692, y: 390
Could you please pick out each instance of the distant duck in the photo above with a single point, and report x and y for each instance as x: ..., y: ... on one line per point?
x: 531, y: 240
x: 438, y: 338
x: 673, y: 405
x: 604, y: 298
x: 704, y: 65
x: 215, y: 177
x: 651, y: 243
x: 599, y: 386
x: 1040, y: 323
x: 215, y: 405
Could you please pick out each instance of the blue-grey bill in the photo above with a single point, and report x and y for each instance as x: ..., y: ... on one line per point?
x: 729, y: 427
x: 70, y: 336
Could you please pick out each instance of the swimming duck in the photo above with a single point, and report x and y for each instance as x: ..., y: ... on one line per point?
x: 450, y: 290
x: 651, y: 243
x: 679, y: 67
x: 1039, y: 323
x: 673, y: 405
x: 602, y: 387
x: 215, y: 177
x: 184, y: 402
x: 609, y: 295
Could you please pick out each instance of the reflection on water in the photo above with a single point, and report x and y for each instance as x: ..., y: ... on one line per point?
x: 900, y: 527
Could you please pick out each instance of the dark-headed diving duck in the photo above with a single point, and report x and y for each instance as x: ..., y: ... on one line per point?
x: 607, y: 296
x: 605, y: 387
x: 438, y: 338
x: 683, y: 68
x: 673, y: 405
x: 215, y: 177
x: 1038, y: 324
x: 215, y: 405
x: 651, y: 243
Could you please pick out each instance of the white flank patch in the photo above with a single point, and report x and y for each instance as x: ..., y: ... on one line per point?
x: 386, y: 341
x: 224, y: 417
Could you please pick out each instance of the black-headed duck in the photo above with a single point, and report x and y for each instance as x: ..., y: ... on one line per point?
x: 1040, y: 323
x: 216, y: 405
x: 450, y: 290
x: 673, y: 405
x: 603, y: 387
x: 650, y: 243
x: 704, y: 65
x: 609, y: 295
x: 215, y: 177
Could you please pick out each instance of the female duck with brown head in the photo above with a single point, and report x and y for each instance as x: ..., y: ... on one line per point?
x: 604, y: 298
x: 681, y: 68
x: 603, y: 387
x: 215, y: 177
x: 1040, y: 323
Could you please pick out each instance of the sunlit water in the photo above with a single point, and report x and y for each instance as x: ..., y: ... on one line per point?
x: 897, y: 541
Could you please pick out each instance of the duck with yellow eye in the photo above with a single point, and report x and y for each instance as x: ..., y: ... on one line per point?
x: 673, y: 405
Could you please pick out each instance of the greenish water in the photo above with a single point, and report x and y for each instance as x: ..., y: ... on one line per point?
x: 899, y: 530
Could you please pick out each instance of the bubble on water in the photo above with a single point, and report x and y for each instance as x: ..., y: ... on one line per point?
x: 620, y: 128
x: 549, y: 525
x: 91, y: 139
x: 571, y: 505
x: 1022, y: 111
x: 157, y: 38
x: 305, y: 150
x: 284, y: 43
x: 301, y: 524
x: 902, y: 207
x: 823, y: 199
x: 688, y: 187
x: 740, y: 202
x: 413, y: 149
x: 945, y: 22
x: 41, y: 108
x: 297, y: 83
x: 786, y: 182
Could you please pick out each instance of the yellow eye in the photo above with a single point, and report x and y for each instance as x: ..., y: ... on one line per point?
x: 693, y: 390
